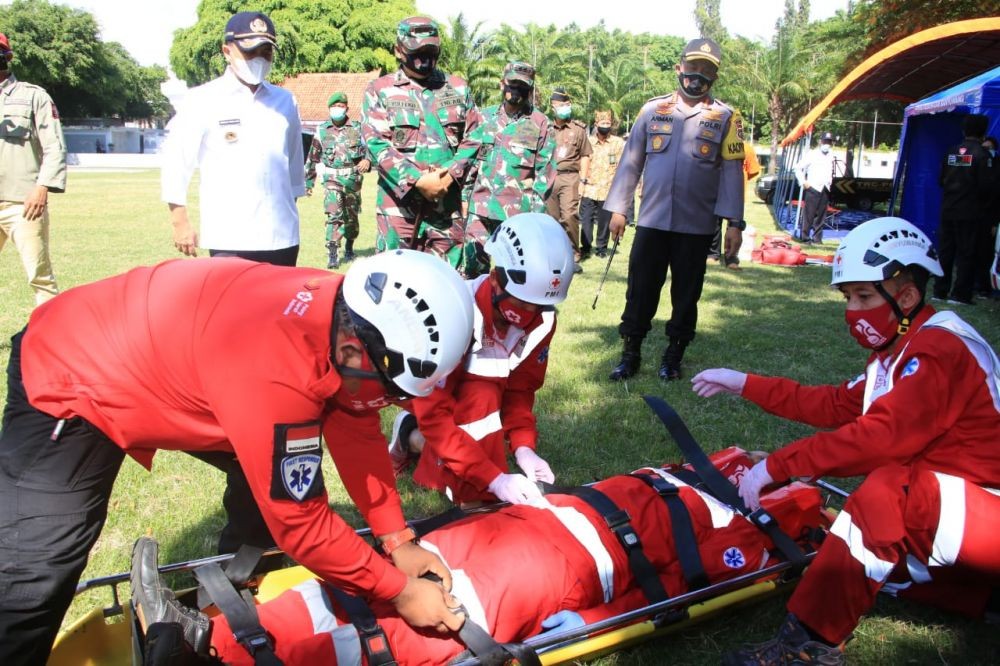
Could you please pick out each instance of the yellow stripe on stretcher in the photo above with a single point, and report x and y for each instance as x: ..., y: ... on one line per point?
x: 619, y: 639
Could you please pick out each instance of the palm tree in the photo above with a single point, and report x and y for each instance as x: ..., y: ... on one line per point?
x: 468, y: 51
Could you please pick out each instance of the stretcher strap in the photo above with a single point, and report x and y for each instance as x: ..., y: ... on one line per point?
x: 720, y: 486
x: 374, y: 642
x: 425, y: 526
x: 491, y: 653
x: 685, y: 541
x: 239, y: 612
x: 238, y: 570
x: 618, y: 521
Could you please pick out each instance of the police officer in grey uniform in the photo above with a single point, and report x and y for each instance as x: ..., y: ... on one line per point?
x: 32, y: 164
x: 691, y: 147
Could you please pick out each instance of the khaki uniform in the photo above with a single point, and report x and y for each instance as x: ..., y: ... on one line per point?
x: 564, y: 198
x: 32, y: 152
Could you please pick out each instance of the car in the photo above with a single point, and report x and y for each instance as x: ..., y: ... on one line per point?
x: 847, y: 191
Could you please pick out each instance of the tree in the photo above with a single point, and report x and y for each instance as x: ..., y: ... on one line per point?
x: 886, y: 21
x: 468, y: 51
x: 59, y: 48
x: 708, y: 18
x: 313, y: 36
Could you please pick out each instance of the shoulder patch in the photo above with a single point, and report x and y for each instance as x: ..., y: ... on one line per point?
x: 732, y: 144
x: 296, y: 470
x: 911, y: 368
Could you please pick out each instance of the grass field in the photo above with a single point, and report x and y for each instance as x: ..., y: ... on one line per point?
x: 770, y: 320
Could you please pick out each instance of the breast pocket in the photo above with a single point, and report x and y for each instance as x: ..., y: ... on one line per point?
x: 706, y: 148
x: 15, y: 125
x: 405, y: 129
x: 657, y: 142
x: 452, y: 117
x: 526, y: 155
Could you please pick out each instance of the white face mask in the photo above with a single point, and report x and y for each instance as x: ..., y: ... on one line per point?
x: 337, y: 113
x: 824, y: 148
x: 251, y: 72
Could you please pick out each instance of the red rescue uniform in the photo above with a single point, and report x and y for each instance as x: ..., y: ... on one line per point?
x: 165, y: 357
x: 922, y: 423
x: 571, y: 560
x: 487, y: 402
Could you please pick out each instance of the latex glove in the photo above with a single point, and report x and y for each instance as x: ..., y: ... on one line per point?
x: 752, y: 483
x: 415, y: 561
x: 426, y: 604
x: 516, y: 489
x: 534, y: 467
x: 718, y: 380
x: 564, y: 620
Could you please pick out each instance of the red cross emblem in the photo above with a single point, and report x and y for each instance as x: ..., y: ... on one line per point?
x: 555, y: 283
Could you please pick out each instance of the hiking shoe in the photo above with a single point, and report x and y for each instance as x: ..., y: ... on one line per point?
x: 155, y: 603
x: 349, y: 256
x: 793, y: 646
x: 399, y: 447
x: 670, y: 362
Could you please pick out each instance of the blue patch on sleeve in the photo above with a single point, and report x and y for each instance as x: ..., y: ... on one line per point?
x: 543, y: 355
x: 911, y: 368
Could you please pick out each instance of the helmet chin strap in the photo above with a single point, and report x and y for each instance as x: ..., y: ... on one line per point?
x: 904, y: 319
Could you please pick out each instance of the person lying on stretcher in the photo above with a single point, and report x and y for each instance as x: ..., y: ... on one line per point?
x: 525, y: 569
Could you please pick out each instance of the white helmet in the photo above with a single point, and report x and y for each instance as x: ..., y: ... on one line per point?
x: 533, y: 258
x: 877, y: 249
x: 414, y: 315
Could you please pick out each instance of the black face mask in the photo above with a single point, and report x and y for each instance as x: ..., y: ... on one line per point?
x: 515, y: 95
x: 603, y: 131
x: 3, y: 61
x: 421, y: 62
x: 698, y: 85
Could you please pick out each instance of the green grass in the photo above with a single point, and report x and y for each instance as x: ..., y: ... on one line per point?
x: 771, y: 320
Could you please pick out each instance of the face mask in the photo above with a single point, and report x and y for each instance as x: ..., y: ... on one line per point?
x: 824, y: 148
x: 992, y: 152
x: 564, y: 112
x: 337, y: 114
x: 512, y: 312
x: 697, y: 85
x: 421, y: 63
x: 873, y: 329
x: 3, y: 61
x: 251, y: 72
x: 603, y: 131
x: 515, y: 95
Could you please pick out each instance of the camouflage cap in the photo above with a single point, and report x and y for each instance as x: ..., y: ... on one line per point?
x: 249, y: 30
x: 339, y: 96
x: 703, y: 49
x: 519, y: 71
x: 417, y: 32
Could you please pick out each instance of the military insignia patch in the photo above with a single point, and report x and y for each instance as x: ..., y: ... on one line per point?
x: 258, y: 25
x: 711, y: 114
x: 231, y: 137
x: 657, y: 142
x: 296, y: 471
x: 707, y: 133
x: 665, y: 109
x: 704, y: 149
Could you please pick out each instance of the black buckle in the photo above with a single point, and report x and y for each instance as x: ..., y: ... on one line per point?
x: 617, y: 519
x: 663, y: 487
x: 253, y: 639
x: 762, y: 519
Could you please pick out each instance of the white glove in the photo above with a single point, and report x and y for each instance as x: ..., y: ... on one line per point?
x: 516, y: 489
x: 718, y: 380
x: 752, y: 483
x: 535, y: 468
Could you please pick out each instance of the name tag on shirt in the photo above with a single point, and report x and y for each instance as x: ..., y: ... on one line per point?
x: 960, y: 160
x: 229, y: 121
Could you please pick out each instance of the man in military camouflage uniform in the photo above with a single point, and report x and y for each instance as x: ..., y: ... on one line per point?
x: 32, y: 164
x: 688, y: 147
x: 339, y: 156
x: 513, y: 170
x: 572, y: 160
x: 419, y: 125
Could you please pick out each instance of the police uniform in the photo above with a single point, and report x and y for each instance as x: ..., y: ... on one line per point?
x: 564, y: 198
x: 512, y: 172
x: 513, y: 568
x: 336, y: 150
x: 411, y: 127
x: 691, y: 161
x: 123, y: 384
x: 32, y: 152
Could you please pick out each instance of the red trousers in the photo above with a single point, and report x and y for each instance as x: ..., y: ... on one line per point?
x: 922, y: 534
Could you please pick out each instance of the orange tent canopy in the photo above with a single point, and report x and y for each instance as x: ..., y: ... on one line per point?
x: 914, y: 67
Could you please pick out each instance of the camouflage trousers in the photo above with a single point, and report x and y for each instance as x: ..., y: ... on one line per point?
x: 475, y: 261
x: 342, y: 208
x: 393, y: 232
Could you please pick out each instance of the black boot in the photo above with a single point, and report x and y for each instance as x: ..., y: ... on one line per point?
x: 349, y: 251
x: 629, y: 363
x: 670, y: 363
x: 332, y: 247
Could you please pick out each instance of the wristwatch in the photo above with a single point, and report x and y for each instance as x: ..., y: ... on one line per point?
x: 394, y: 540
x: 738, y: 224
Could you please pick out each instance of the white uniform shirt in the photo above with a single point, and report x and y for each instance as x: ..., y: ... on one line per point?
x: 816, y: 168
x: 248, y: 146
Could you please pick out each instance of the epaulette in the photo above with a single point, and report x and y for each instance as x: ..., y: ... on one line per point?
x: 578, y: 123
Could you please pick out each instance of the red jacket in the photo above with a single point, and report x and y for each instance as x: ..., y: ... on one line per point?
x: 220, y: 355
x: 937, y: 408
x: 488, y: 400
